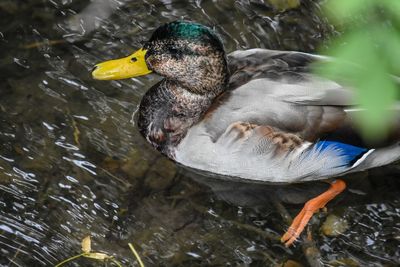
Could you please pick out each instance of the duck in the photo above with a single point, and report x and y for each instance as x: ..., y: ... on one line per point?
x: 256, y: 115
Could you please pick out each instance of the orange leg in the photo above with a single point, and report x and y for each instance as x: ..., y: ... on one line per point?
x: 312, y: 206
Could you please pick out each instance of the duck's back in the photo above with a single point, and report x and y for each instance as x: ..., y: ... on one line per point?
x: 278, y: 122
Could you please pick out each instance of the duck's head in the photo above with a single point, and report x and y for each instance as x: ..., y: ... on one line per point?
x: 188, y: 53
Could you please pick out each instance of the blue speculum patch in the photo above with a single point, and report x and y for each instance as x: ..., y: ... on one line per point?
x: 350, y: 154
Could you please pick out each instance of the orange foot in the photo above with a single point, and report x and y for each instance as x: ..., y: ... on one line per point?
x: 312, y: 206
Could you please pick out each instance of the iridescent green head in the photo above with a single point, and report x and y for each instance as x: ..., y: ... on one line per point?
x: 188, y: 53
x: 186, y: 31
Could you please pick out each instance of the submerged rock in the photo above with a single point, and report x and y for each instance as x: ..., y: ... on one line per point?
x: 345, y: 262
x: 284, y: 4
x: 161, y: 174
x: 291, y: 263
x: 334, y: 225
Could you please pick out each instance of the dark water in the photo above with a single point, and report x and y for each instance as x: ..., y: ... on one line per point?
x: 72, y: 163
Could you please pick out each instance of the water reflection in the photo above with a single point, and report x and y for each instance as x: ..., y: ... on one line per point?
x: 73, y: 164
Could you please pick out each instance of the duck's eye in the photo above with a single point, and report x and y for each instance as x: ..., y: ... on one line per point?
x: 173, y: 50
x: 134, y: 59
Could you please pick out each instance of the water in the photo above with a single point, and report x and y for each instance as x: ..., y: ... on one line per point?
x: 72, y: 163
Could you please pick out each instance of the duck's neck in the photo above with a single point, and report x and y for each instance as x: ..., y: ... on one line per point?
x: 208, y: 77
x: 172, y: 106
x: 175, y: 104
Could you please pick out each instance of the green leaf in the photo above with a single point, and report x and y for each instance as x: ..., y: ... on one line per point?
x: 391, y: 50
x: 350, y: 55
x: 343, y: 10
x: 392, y: 6
x: 363, y: 59
x: 377, y: 94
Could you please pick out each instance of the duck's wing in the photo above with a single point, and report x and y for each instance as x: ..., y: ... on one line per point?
x: 273, y: 124
x: 246, y: 65
x: 276, y: 88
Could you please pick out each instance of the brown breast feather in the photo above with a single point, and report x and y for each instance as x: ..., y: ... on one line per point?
x: 253, y: 134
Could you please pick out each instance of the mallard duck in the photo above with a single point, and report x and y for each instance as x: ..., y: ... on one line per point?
x: 258, y: 114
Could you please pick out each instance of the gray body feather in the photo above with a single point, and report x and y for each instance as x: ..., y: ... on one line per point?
x: 264, y: 128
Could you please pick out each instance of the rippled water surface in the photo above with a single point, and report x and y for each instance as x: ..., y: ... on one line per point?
x: 72, y: 163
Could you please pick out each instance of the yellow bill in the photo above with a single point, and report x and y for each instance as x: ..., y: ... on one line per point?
x: 122, y: 68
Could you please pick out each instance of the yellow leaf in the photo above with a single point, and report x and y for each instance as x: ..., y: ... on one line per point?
x: 96, y: 256
x: 86, y: 244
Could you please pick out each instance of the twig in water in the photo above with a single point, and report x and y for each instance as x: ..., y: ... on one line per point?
x: 70, y: 259
x: 136, y: 254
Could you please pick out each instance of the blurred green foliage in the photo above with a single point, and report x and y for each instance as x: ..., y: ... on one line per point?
x: 366, y: 56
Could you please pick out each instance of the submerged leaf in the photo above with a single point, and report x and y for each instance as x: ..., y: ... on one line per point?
x: 97, y: 256
x: 86, y: 244
x: 86, y: 248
